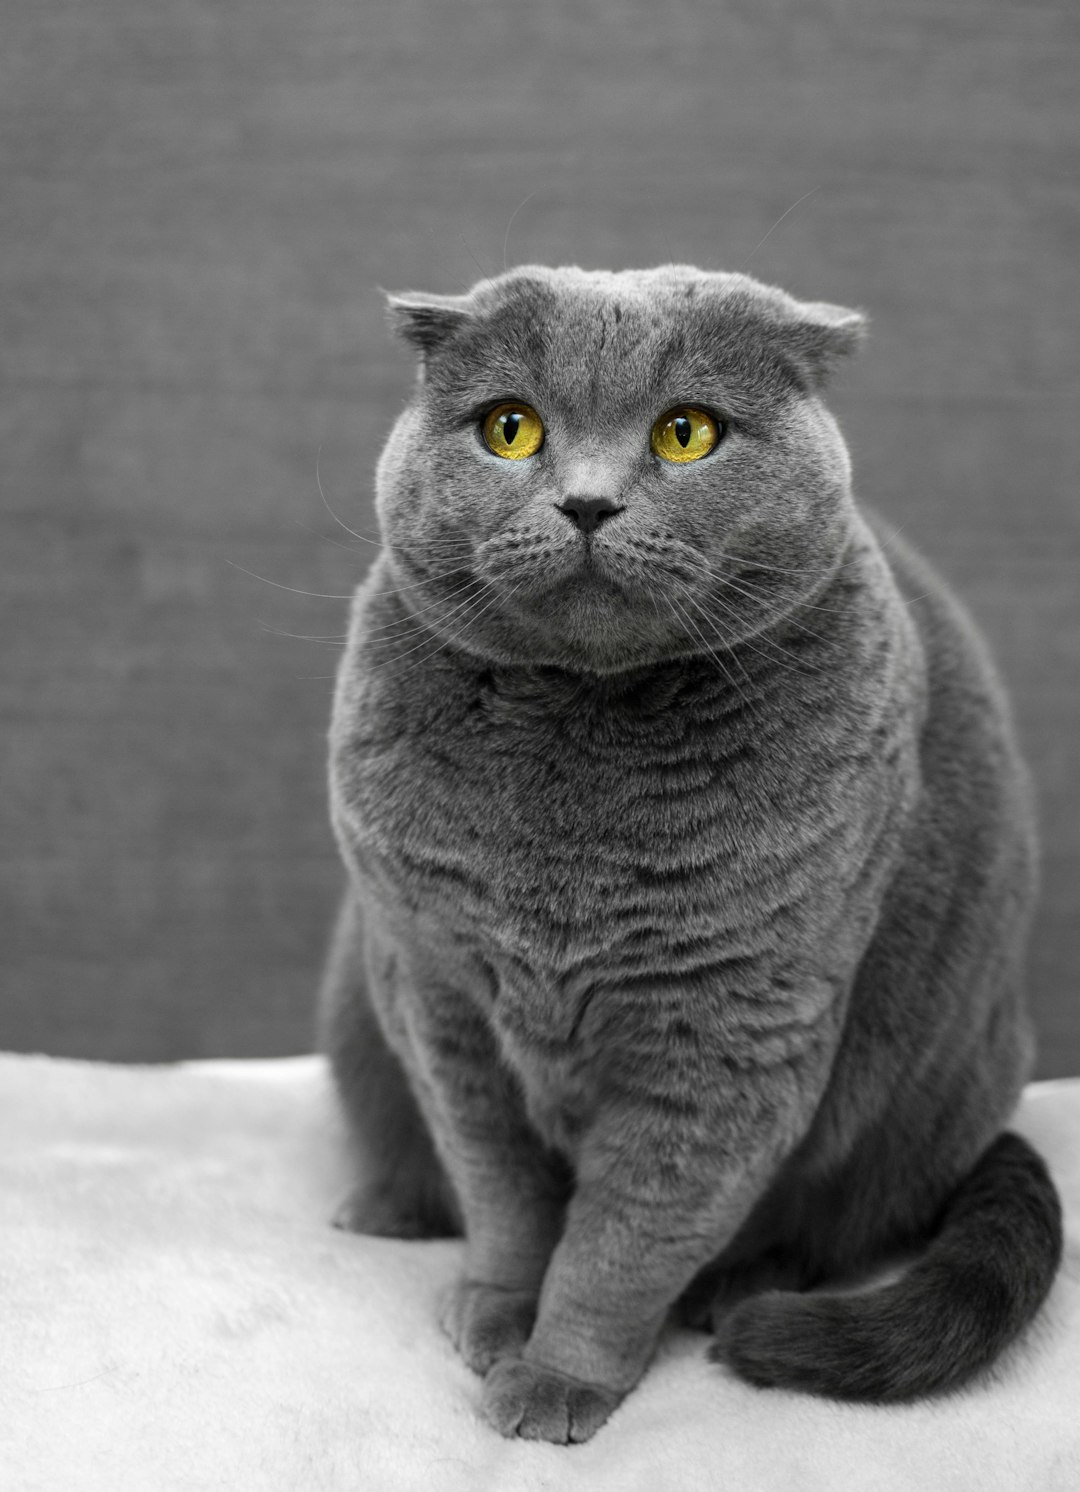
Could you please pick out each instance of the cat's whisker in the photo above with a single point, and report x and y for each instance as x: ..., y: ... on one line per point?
x: 420, y: 628
x: 689, y: 623
x: 716, y: 596
x: 397, y: 590
x: 752, y: 564
x: 484, y: 273
x: 433, y: 546
x: 655, y: 605
x: 778, y: 656
x: 712, y: 622
x: 334, y: 639
x: 440, y: 547
x: 318, y: 595
x: 689, y: 626
x: 462, y: 611
x: 326, y: 538
x: 438, y: 246
x: 414, y: 613
x: 854, y: 558
x: 318, y: 482
x: 750, y: 588
x: 444, y: 548
x: 782, y: 614
x: 440, y: 641
x: 513, y: 215
x: 776, y: 225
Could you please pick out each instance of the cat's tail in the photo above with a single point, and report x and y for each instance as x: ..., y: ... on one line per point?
x: 983, y: 1276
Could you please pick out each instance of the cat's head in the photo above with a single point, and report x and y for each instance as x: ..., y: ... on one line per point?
x: 603, y: 470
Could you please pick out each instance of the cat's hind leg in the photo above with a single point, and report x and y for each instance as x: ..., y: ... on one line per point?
x: 401, y: 1189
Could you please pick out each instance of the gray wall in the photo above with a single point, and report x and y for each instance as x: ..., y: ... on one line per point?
x: 198, y: 202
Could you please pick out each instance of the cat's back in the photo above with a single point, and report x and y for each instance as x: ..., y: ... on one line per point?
x: 968, y: 741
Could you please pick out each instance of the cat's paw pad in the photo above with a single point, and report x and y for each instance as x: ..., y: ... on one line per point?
x: 378, y: 1212
x: 486, y: 1324
x: 522, y: 1398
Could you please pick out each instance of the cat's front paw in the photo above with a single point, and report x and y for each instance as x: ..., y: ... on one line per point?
x: 522, y: 1398
x: 485, y: 1323
x: 381, y: 1213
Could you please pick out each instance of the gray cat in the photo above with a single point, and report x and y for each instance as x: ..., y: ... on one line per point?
x: 690, y: 861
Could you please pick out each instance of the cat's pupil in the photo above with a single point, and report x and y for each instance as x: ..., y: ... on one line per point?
x: 510, y: 428
x: 682, y: 431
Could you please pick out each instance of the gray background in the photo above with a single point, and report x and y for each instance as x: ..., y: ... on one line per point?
x: 199, y: 201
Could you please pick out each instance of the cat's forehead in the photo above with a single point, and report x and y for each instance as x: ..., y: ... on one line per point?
x: 618, y: 339
x: 598, y: 336
x: 662, y: 284
x: 569, y: 296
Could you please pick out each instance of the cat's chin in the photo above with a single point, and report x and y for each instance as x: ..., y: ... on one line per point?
x: 581, y: 608
x: 589, y: 590
x: 577, y: 610
x: 584, y: 624
x: 571, y: 657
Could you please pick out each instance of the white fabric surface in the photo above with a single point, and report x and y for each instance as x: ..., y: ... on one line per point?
x: 176, y: 1313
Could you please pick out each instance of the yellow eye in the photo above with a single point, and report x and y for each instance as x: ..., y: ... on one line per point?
x: 684, y: 434
x: 514, y: 431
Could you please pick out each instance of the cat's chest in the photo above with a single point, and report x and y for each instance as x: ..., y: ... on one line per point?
x: 574, y: 829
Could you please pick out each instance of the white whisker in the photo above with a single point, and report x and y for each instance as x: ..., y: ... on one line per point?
x: 318, y: 482
x: 776, y: 225
x: 335, y: 639
x: 750, y: 589
x: 780, y: 658
x: 441, y: 642
x: 513, y: 215
x: 462, y: 613
x: 430, y: 547
x: 319, y: 595
x: 397, y: 590
x: 782, y: 615
x: 712, y: 622
x: 689, y: 622
x: 413, y: 613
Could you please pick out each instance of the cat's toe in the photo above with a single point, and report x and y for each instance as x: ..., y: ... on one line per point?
x: 377, y: 1211
x: 486, y: 1324
x: 521, y: 1398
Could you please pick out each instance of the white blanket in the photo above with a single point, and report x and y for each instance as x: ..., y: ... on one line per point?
x: 176, y: 1312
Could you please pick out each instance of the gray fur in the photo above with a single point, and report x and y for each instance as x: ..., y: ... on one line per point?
x: 689, y: 862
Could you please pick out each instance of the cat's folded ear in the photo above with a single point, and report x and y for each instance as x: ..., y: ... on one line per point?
x: 428, y: 321
x: 811, y: 335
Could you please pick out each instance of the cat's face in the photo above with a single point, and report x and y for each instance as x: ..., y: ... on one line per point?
x: 600, y: 471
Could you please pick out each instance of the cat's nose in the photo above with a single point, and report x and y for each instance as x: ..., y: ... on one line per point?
x: 588, y: 513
